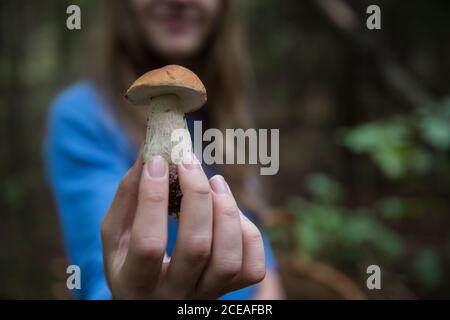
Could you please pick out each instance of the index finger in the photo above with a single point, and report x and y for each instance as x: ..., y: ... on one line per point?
x: 148, y: 237
x: 122, y: 207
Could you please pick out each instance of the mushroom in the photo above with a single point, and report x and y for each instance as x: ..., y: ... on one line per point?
x: 167, y: 94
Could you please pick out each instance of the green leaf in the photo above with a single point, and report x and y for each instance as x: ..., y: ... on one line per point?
x: 323, y: 188
x: 428, y: 268
x: 390, y: 160
x: 392, y: 208
x: 309, y: 239
x: 435, y: 129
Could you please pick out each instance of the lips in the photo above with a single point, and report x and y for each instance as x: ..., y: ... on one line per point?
x: 177, y: 22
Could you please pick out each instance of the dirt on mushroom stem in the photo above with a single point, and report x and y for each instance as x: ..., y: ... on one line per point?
x: 175, y: 193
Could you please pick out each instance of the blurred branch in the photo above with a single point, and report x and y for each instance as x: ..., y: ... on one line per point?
x: 341, y: 15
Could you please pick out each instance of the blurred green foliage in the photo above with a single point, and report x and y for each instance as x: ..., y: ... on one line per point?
x: 416, y: 144
x: 429, y: 269
x: 326, y: 227
x: 394, y: 144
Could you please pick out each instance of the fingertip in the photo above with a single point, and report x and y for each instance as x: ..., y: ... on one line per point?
x: 244, y: 217
x: 190, y: 162
x: 156, y: 168
x: 192, y: 176
x: 219, y: 185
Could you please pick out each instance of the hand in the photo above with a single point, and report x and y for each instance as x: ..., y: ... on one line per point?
x: 217, y: 250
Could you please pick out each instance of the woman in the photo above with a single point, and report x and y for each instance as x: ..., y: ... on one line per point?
x: 93, y: 139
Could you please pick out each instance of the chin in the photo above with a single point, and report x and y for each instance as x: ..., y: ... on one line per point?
x: 178, y: 51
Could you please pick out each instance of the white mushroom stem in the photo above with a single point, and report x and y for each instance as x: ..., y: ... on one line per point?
x: 165, y: 115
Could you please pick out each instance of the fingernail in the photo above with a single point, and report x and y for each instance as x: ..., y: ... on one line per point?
x: 156, y: 167
x: 218, y: 185
x: 190, y: 161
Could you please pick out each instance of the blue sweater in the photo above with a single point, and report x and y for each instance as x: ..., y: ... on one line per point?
x: 87, y: 152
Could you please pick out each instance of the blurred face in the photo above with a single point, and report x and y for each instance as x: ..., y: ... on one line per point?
x: 176, y: 29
